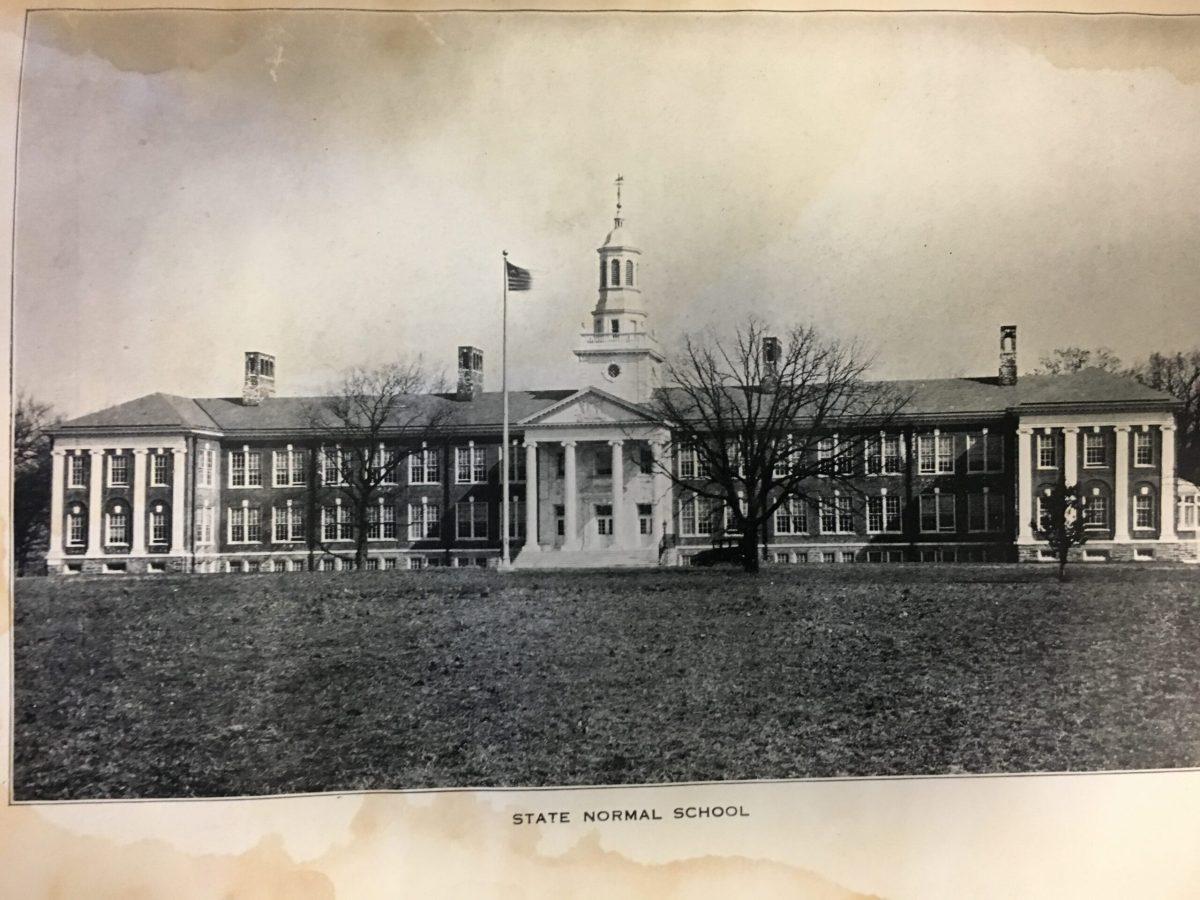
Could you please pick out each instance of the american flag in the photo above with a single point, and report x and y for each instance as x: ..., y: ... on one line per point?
x: 518, y: 279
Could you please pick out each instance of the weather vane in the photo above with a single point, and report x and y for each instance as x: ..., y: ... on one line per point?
x: 620, y: 179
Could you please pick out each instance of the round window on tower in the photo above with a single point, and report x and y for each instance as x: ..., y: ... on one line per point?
x: 613, y: 370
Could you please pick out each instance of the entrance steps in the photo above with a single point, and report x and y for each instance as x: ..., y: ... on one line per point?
x: 586, y: 559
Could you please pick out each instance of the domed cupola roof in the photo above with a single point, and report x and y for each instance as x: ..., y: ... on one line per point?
x: 619, y: 237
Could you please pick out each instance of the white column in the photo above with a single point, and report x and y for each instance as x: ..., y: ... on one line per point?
x: 571, y: 538
x: 1166, y: 530
x: 1025, y: 485
x: 531, y: 491
x: 620, y: 532
x: 137, y: 509
x: 1121, y: 491
x: 1071, y: 455
x: 178, y: 483
x: 96, y: 504
x: 660, y: 498
x: 57, y: 486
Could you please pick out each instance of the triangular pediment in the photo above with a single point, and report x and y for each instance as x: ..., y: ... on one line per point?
x: 590, y: 406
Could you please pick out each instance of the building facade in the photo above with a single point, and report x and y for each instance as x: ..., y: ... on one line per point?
x: 165, y: 483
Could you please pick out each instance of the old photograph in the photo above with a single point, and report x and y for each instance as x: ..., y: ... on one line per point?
x: 452, y: 400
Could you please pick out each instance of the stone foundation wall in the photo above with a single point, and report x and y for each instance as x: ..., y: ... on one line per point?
x: 1149, y: 551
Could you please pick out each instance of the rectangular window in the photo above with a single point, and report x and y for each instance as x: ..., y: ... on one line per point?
x: 645, y: 518
x: 645, y: 461
x: 874, y: 455
x: 791, y: 517
x: 604, y: 461
x: 335, y: 466
x: 118, y: 471
x: 926, y: 455
x: 207, y: 467
x: 837, y: 516
x: 384, y: 462
x: 560, y: 520
x: 696, y: 514
x: 516, y: 463
x: 604, y: 520
x: 117, y: 527
x: 158, y: 470
x: 237, y: 525
x: 381, y: 522
x: 985, y: 512
x: 1187, y: 512
x: 336, y: 524
x: 1095, y: 512
x: 288, y: 467
x: 937, y: 512
x: 471, y: 520
x: 158, y: 527
x: 76, y: 529
x: 945, y: 453
x: 424, y: 521
x: 289, y: 524
x: 516, y: 519
x: 687, y: 462
x: 893, y: 455
x: 825, y: 456
x: 1095, y: 449
x: 784, y: 458
x: 470, y: 465
x: 1143, y: 511
x: 76, y: 476
x: 425, y: 467
x: 883, y: 514
x: 245, y: 468
x: 1143, y: 448
x: 1047, y: 451
x: 985, y: 452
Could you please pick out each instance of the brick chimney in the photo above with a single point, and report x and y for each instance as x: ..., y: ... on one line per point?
x: 470, y: 373
x: 259, y: 383
x: 1008, y: 354
x: 771, y: 352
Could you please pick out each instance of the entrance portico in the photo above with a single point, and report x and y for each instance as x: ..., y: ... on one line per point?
x: 598, y: 492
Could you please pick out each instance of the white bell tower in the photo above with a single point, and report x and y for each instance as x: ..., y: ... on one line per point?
x: 619, y: 354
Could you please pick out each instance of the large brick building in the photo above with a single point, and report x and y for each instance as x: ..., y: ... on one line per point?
x: 166, y: 483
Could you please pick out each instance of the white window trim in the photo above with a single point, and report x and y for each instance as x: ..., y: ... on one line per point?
x: 154, y: 458
x: 883, y: 499
x: 425, y: 454
x: 111, y: 457
x: 71, y: 482
x: 936, y: 497
x: 1037, y: 452
x: 834, y: 502
x: 1153, y: 512
x: 1089, y: 436
x: 1149, y: 439
x: 108, y: 541
x: 470, y: 501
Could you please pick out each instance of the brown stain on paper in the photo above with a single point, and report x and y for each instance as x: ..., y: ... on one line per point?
x: 446, y: 845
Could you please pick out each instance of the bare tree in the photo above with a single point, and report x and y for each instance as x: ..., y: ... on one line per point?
x: 1064, y: 360
x: 763, y: 417
x: 31, y: 481
x: 367, y: 428
x: 1061, y: 523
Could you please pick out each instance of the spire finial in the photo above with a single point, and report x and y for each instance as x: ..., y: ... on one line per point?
x: 620, y: 180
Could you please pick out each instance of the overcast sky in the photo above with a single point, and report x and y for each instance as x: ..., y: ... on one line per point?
x: 336, y: 188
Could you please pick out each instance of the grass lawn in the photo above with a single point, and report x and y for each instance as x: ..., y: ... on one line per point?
x: 223, y: 685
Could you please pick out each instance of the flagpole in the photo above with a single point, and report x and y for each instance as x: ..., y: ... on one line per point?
x: 505, y: 560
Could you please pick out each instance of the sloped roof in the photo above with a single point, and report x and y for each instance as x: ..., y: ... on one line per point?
x: 274, y: 414
x: 151, y: 411
x: 928, y: 398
